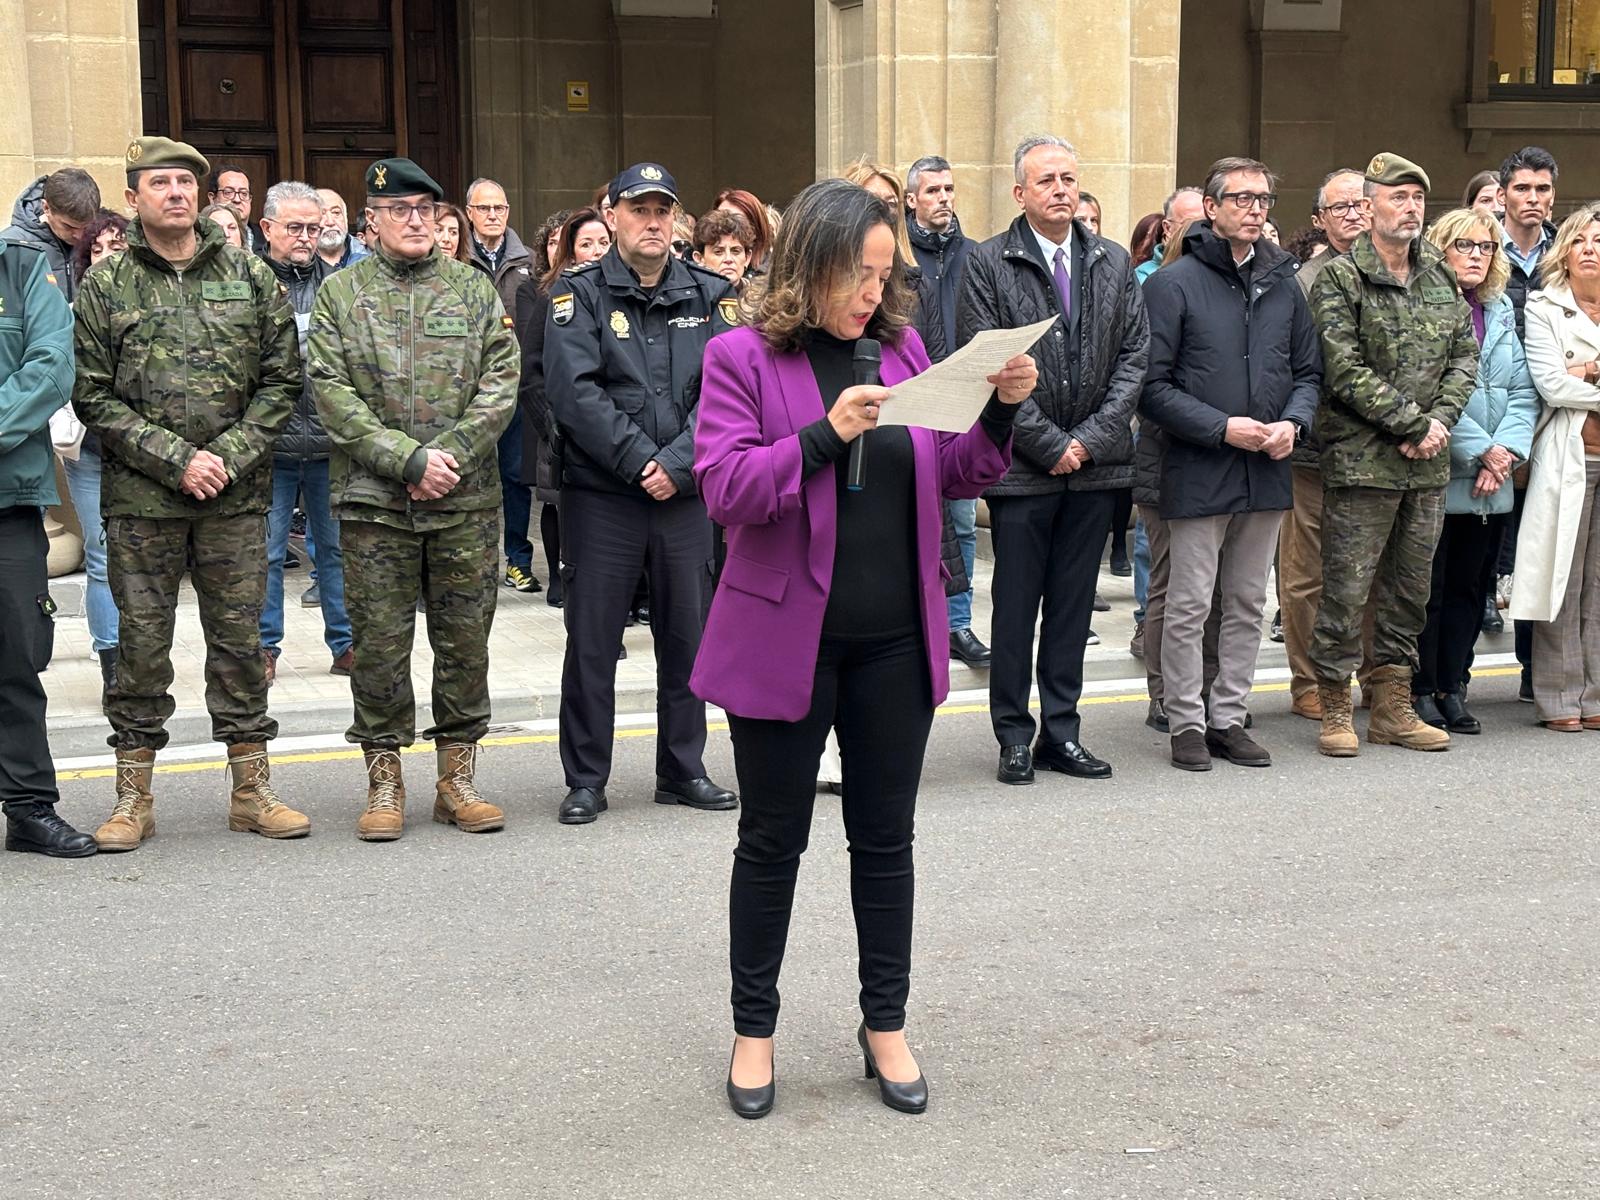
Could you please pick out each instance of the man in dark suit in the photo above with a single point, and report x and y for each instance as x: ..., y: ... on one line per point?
x: 1073, y: 448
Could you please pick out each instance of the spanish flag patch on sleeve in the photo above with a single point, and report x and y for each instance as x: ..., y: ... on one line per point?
x: 506, y: 321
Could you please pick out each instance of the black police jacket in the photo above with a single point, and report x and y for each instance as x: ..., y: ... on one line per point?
x: 622, y: 369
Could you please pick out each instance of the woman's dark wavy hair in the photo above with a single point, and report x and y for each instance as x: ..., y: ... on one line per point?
x: 103, y: 220
x: 566, y: 243
x: 816, y: 257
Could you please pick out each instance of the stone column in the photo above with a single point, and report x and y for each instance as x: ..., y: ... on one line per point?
x: 901, y: 78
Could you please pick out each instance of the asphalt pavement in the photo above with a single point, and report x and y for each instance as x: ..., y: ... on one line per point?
x: 1363, y: 978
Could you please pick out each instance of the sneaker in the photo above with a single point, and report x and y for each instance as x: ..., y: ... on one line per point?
x: 517, y: 577
x: 1277, y: 626
x: 1094, y: 639
x: 311, y: 597
x: 1136, y: 646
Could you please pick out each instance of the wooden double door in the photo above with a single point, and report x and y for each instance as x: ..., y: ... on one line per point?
x: 305, y: 89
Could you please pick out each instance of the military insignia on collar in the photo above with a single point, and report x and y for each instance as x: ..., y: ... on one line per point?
x: 728, y: 310
x: 135, y: 151
x: 650, y: 173
x: 619, y: 324
x: 561, y: 308
x: 1376, y: 166
x: 380, y: 177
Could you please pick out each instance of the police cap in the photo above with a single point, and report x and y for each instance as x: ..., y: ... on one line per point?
x: 1391, y: 170
x: 642, y: 179
x: 148, y: 153
x: 400, y: 177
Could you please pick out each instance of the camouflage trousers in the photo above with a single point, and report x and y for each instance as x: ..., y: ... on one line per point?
x: 1377, y: 542
x: 226, y: 558
x: 453, y: 569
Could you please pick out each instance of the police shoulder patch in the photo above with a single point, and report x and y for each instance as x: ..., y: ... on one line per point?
x: 561, y: 307
x: 728, y: 309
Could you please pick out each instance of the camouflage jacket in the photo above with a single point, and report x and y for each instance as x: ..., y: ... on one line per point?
x: 406, y: 357
x: 1395, y: 356
x: 172, y: 362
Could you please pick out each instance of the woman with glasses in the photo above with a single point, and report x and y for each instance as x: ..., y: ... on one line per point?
x: 1492, y: 437
x: 1558, y: 543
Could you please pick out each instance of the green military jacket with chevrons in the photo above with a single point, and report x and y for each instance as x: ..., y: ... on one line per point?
x: 171, y: 362
x: 1395, y: 357
x: 408, y: 356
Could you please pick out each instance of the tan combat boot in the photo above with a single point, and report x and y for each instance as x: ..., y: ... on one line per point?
x: 1394, y: 722
x: 1338, y: 738
x: 385, y: 818
x: 134, y: 817
x: 253, y: 807
x: 457, y: 802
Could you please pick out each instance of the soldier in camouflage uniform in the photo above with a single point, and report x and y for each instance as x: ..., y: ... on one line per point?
x: 188, y: 364
x: 414, y: 369
x: 1400, y: 360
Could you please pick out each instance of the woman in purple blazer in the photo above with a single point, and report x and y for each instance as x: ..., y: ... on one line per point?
x: 830, y: 613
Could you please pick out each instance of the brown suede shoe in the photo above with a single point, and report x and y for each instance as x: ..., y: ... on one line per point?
x: 343, y: 664
x: 457, y: 801
x: 385, y: 817
x: 1308, y: 706
x: 1238, y: 747
x: 1189, y: 751
x: 269, y: 663
x: 133, y: 818
x: 253, y: 807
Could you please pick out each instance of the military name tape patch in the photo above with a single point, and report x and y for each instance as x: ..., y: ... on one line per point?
x: 561, y: 308
x: 224, y: 289
x: 444, y: 326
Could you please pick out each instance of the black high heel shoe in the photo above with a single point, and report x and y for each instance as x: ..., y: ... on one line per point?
x: 752, y: 1103
x: 902, y: 1097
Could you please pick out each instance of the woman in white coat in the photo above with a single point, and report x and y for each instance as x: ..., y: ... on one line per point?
x: 1557, y: 580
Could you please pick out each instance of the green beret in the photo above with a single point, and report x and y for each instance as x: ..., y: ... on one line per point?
x: 145, y: 153
x: 1391, y: 170
x: 400, y: 177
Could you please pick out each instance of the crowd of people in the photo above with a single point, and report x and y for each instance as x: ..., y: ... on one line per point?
x: 1400, y: 415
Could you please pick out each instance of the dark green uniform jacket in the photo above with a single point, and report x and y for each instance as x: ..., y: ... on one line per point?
x: 171, y: 362
x: 1394, y: 357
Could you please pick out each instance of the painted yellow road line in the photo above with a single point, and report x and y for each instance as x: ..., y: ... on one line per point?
x: 545, y: 739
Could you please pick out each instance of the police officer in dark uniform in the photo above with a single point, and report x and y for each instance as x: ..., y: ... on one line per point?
x: 623, y: 345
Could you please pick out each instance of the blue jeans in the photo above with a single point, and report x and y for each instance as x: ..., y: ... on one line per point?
x: 964, y: 516
x: 309, y: 479
x: 1141, y: 571
x: 83, y: 481
x: 516, y: 496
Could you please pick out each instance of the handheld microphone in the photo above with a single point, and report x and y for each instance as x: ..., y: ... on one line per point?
x: 864, y: 370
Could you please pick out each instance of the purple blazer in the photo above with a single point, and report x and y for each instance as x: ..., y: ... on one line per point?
x: 758, y: 657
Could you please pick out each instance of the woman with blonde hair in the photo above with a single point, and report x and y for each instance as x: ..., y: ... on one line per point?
x: 1558, y: 544
x: 1492, y: 437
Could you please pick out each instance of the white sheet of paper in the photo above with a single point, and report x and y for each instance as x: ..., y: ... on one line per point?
x: 950, y: 395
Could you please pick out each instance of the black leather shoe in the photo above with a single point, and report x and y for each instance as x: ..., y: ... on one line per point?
x: 1016, y: 765
x: 902, y: 1097
x: 1493, y: 622
x: 1453, y: 708
x: 695, y: 793
x: 581, y: 806
x: 1101, y: 604
x: 1427, y: 710
x: 1156, y: 718
x: 39, y: 830
x: 1070, y: 758
x: 752, y: 1103
x: 964, y: 644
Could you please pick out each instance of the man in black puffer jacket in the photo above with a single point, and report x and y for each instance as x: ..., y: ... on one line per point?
x: 1073, y: 446
x: 290, y: 225
x: 1235, y: 372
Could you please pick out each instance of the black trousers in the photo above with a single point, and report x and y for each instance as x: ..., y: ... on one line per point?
x: 27, y: 637
x: 877, y: 695
x: 1463, y: 572
x: 607, y: 541
x: 1046, y: 549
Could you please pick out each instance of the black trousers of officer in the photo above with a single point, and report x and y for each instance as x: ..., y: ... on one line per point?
x: 1046, y: 549
x: 27, y: 636
x: 607, y: 540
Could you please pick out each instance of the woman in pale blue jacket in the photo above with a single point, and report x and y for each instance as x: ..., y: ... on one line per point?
x: 1492, y: 437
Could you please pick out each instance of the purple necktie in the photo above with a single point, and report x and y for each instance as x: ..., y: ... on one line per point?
x: 1063, y: 284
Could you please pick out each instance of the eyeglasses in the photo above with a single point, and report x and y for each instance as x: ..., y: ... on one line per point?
x: 1340, y: 207
x: 492, y: 210
x: 679, y: 246
x: 401, y: 214
x: 234, y: 193
x: 298, y: 229
x: 1467, y: 246
x: 1248, y: 200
